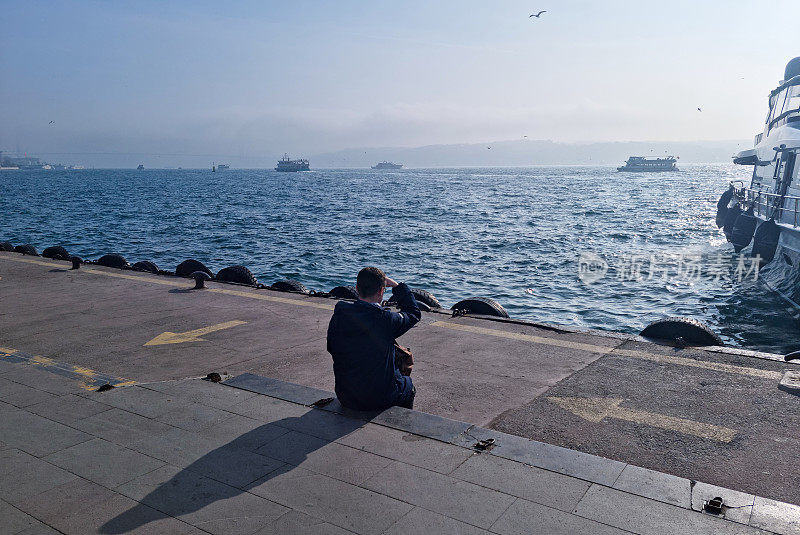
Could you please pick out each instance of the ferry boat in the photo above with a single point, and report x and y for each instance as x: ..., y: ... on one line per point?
x: 387, y: 165
x: 140, y: 167
x: 766, y: 212
x: 285, y: 164
x: 640, y: 164
x: 223, y: 167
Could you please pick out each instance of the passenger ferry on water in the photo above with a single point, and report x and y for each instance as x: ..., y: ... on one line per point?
x: 286, y: 164
x: 767, y: 212
x: 640, y: 164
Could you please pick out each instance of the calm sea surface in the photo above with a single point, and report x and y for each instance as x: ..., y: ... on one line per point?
x: 513, y: 234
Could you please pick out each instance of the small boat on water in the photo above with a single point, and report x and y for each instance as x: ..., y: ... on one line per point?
x: 285, y: 164
x: 387, y: 165
x: 640, y: 164
x: 141, y: 167
x: 223, y: 167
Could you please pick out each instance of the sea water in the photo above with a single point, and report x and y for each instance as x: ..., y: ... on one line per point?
x: 585, y: 247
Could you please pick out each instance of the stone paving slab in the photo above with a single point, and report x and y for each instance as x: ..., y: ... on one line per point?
x: 277, y: 466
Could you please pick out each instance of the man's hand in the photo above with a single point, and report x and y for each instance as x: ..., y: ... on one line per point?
x: 390, y: 283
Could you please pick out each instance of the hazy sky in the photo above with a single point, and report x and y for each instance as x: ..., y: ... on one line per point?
x: 261, y: 78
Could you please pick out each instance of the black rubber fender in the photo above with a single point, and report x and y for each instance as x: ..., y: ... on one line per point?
x: 289, y: 285
x: 722, y: 207
x: 6, y: 246
x: 730, y: 219
x: 145, y: 266
x: 422, y: 297
x: 26, y: 249
x: 237, y: 274
x: 344, y: 292
x: 685, y: 331
x: 56, y: 252
x: 113, y: 261
x: 765, y: 241
x: 743, y: 229
x: 187, y: 267
x: 481, y: 305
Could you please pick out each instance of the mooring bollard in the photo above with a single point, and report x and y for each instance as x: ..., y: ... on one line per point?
x: 76, y: 262
x: 200, y: 277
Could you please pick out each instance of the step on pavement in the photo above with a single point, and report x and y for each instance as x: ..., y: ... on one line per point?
x: 250, y: 455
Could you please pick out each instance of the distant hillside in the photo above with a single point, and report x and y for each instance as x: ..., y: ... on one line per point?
x: 525, y: 152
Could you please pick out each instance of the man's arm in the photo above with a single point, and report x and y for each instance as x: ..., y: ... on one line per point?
x: 409, y: 310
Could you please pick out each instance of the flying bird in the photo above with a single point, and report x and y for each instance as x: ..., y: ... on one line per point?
x: 698, y: 109
x: 490, y: 148
x: 52, y: 122
x: 537, y: 15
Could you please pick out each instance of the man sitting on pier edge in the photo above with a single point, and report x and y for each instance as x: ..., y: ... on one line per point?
x: 361, y: 337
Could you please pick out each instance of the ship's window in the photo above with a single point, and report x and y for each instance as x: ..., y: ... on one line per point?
x: 778, y: 106
x: 793, y: 100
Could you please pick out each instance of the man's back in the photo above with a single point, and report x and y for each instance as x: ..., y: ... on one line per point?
x: 361, y: 341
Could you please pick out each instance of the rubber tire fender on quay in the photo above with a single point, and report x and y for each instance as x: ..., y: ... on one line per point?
x: 56, y: 252
x: 691, y: 331
x: 481, y: 305
x: 237, y: 274
x: 113, y: 261
x: 145, y: 266
x: 187, y: 267
x: 26, y: 249
x: 289, y: 285
x: 344, y: 292
x: 423, y: 297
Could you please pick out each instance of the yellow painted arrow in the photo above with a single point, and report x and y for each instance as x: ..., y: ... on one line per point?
x: 191, y: 336
x: 597, y: 409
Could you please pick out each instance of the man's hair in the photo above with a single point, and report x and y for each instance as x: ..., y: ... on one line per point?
x: 369, y: 281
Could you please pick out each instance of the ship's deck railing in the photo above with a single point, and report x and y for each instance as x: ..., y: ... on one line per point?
x: 763, y: 205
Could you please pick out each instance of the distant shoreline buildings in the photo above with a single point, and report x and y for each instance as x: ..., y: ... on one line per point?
x: 30, y: 162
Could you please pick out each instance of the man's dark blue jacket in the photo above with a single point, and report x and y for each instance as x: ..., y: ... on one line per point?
x: 361, y: 340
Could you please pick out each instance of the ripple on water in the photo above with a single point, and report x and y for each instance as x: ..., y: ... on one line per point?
x: 456, y: 232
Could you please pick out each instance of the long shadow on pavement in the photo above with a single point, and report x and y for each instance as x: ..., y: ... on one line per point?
x: 189, y: 491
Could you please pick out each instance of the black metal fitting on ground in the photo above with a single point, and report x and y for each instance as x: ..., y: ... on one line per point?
x: 214, y: 377
x: 76, y: 262
x: 200, y: 277
x: 714, y: 506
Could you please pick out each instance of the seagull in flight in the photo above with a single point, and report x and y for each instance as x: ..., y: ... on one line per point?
x: 52, y: 122
x: 537, y: 15
x: 698, y: 109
